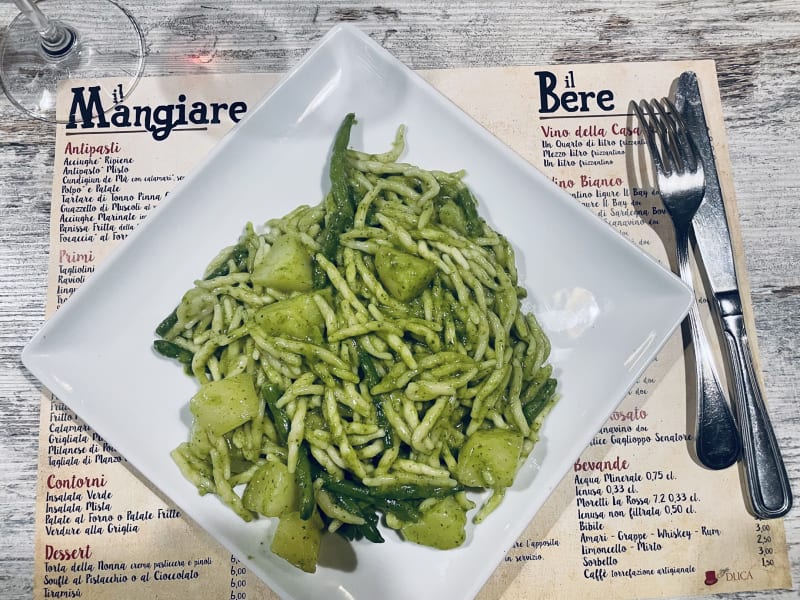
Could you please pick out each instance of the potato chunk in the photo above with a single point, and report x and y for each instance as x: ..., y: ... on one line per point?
x: 442, y: 526
x: 489, y: 458
x: 297, y: 317
x: 223, y: 405
x: 403, y: 275
x: 297, y: 540
x: 272, y: 491
x: 286, y: 267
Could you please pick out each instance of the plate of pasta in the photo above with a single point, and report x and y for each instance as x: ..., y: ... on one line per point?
x: 360, y: 368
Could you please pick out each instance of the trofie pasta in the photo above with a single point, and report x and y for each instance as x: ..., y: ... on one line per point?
x: 361, y: 359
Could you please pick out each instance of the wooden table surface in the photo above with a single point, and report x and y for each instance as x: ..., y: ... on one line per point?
x: 756, y: 45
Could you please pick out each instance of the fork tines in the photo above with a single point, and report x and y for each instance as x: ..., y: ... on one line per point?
x: 671, y: 147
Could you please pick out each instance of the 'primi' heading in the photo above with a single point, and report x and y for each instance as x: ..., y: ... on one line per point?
x: 87, y: 112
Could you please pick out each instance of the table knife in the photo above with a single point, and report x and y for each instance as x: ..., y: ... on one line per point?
x: 770, y: 495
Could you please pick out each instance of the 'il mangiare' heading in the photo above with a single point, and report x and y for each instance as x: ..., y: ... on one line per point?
x: 87, y: 112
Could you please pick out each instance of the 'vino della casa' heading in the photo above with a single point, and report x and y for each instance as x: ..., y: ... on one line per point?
x: 87, y: 112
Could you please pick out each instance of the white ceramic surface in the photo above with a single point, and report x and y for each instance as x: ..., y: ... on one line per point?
x: 607, y: 307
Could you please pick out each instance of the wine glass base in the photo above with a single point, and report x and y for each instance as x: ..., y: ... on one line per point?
x: 109, y: 44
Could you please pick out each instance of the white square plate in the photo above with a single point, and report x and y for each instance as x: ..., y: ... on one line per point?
x: 607, y: 307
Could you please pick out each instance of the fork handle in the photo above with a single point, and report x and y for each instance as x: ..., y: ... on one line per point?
x: 717, y: 441
x: 767, y: 482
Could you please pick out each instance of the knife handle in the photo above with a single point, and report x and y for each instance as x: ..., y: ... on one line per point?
x: 717, y: 441
x: 767, y: 481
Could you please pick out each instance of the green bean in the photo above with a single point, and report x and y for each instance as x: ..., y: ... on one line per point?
x: 412, y: 491
x: 345, y: 487
x: 338, y: 170
x: 469, y: 205
x: 370, y: 531
x: 372, y: 379
x: 238, y: 255
x: 532, y: 409
x: 340, y: 206
x: 535, y: 383
x: 371, y: 376
x: 168, y: 323
x: 356, y: 532
x: 171, y: 350
x: 270, y: 395
x: 349, y: 532
x: 381, y: 494
x: 348, y: 503
x: 302, y: 476
x: 404, y: 510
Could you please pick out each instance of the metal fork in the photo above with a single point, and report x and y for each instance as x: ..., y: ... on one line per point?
x: 681, y: 182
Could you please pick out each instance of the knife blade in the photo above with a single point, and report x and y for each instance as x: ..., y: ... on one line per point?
x: 767, y: 482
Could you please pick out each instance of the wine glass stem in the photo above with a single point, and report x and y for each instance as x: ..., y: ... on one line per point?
x: 57, y: 39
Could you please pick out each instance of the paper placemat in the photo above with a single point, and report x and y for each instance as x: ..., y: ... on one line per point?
x: 636, y: 518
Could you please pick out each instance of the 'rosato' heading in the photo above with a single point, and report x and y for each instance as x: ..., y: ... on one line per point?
x: 87, y: 112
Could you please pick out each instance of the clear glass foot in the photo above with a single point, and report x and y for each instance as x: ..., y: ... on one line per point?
x: 38, y: 52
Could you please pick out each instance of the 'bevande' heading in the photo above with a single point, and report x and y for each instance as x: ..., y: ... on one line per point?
x: 87, y: 112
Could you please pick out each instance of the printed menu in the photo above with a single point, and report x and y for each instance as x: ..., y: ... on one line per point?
x: 636, y: 517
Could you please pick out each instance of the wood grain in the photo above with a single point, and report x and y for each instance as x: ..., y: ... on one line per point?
x: 756, y: 46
